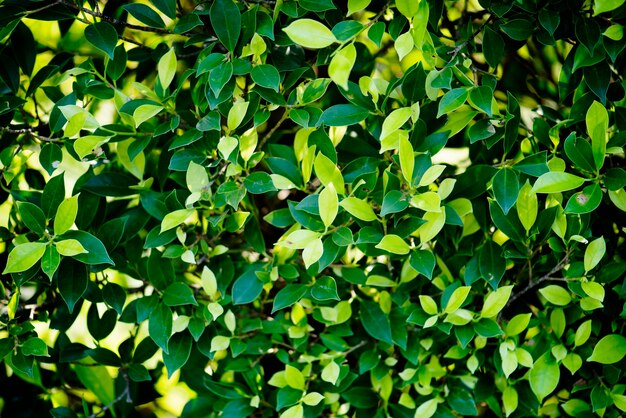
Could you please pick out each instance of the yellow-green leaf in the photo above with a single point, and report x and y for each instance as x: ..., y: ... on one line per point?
x: 328, y: 204
x: 594, y: 253
x: 358, y: 208
x: 341, y: 65
x: 393, y: 244
x: 66, y: 215
x: 310, y: 33
x: 70, y: 247
x: 24, y: 256
x: 167, y: 68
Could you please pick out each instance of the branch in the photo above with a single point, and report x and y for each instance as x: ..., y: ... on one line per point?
x: 31, y: 132
x: 546, y: 277
x: 125, y: 394
x: 113, y: 20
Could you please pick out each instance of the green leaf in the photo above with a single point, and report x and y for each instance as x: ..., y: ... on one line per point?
x: 50, y: 261
x: 175, y: 218
x: 393, y: 202
x: 423, y: 262
x: 145, y: 15
x: 310, y: 34
x: 555, y: 182
x: 375, y: 322
x: 33, y: 217
x: 179, y: 349
x: 518, y: 29
x: 266, y: 75
x: 556, y: 295
x: 247, y: 288
x: 393, y: 244
x: 493, y: 47
x: 160, y: 326
x: 357, y: 5
x: 527, y: 206
x: 103, y: 36
x: 294, y: 378
x: 325, y: 288
x: 428, y: 304
x: 586, y: 201
x: 66, y: 215
x: 505, y: 186
x: 24, y: 256
x: 579, y: 151
x: 452, y: 100
x: 457, y: 298
x: 481, y: 98
x: 491, y: 263
x: 358, y: 208
x: 343, y: 115
x: 70, y: 247
x: 603, y: 6
x: 395, y: 121
x: 313, y: 252
x: 328, y: 204
x: 341, y: 65
x: 35, y: 347
x: 610, y: 349
x: 72, y: 281
x: 96, y: 251
x: 594, y: 253
x: 544, y: 376
x: 145, y: 112
x: 167, y: 68
x: 408, y: 8
x: 496, y: 301
x: 597, y: 120
x: 50, y: 157
x: 288, y: 295
x: 178, y: 294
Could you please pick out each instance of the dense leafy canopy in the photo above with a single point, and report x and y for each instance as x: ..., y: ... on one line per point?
x: 312, y: 207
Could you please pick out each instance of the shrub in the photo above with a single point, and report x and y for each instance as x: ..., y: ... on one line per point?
x: 312, y: 208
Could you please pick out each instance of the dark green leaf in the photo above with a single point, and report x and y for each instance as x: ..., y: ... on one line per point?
x: 145, y: 14
x: 179, y: 349
x: 160, y: 325
x: 288, y: 295
x: 226, y: 22
x: 375, y: 322
x: 343, y: 115
x: 505, y: 186
x: 72, y: 281
x: 325, y: 288
x: 103, y: 36
x: 33, y: 217
x: 178, y: 294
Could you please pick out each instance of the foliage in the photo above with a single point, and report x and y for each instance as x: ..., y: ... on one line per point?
x: 305, y: 208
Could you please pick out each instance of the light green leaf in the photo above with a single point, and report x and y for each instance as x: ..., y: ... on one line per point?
x: 428, y: 408
x: 618, y: 197
x: 496, y: 301
x: 175, y: 218
x: 457, y: 298
x: 403, y: 45
x: 294, y: 377
x: 24, y: 256
x: 145, y: 112
x: 66, y: 215
x: 328, y: 204
x: 428, y: 304
x: 341, y: 65
x: 556, y: 295
x: 544, y: 376
x: 299, y: 239
x: 219, y: 343
x: 357, y: 5
x: 393, y: 244
x: 509, y: 400
x: 236, y: 115
x: 313, y: 252
x: 407, y: 7
x: 407, y: 159
x: 582, y: 333
x: 602, y: 6
x: 227, y: 145
x: 328, y: 173
x: 610, y: 349
x: 313, y: 398
x: 296, y: 411
x: 597, y: 120
x: 310, y: 34
x: 330, y: 373
x: 517, y: 324
x: 431, y: 174
x: 527, y: 206
x: 197, y: 178
x: 555, y: 182
x: 434, y: 223
x: 167, y: 68
x: 452, y: 100
x: 395, y: 121
x: 70, y: 247
x: 594, y: 253
x: 428, y: 201
x: 358, y: 208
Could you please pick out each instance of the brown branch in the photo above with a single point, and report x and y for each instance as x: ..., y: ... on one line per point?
x: 113, y: 20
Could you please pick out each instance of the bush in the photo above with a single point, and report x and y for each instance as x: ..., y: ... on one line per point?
x: 307, y: 208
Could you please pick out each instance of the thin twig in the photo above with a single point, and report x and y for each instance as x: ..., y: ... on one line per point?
x: 124, y: 394
x: 546, y: 277
x: 271, y: 132
x: 29, y: 131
